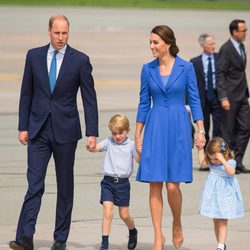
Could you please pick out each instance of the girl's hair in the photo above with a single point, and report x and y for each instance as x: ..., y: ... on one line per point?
x: 167, y: 35
x: 119, y: 122
x: 218, y: 145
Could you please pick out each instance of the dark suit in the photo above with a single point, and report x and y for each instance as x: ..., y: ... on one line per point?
x: 208, y: 107
x: 232, y: 85
x: 53, y: 125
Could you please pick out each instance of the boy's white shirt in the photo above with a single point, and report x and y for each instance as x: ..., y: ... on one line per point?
x: 118, y: 161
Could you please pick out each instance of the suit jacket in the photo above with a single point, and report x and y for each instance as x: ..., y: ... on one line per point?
x: 231, y: 75
x: 200, y: 76
x: 37, y: 102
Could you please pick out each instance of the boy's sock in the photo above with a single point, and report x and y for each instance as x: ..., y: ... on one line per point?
x: 105, y: 243
x: 220, y: 246
x: 132, y: 232
x: 105, y: 239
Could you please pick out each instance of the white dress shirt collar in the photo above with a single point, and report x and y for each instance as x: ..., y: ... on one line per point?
x: 205, y: 56
x: 236, y: 45
x: 61, y: 51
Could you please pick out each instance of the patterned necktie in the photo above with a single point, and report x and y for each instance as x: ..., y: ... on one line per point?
x: 242, y: 51
x: 210, y: 89
x: 52, y: 72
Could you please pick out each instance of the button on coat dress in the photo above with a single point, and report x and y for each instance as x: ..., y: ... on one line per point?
x: 167, y: 143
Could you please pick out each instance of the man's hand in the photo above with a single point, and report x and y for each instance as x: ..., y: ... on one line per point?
x: 91, y: 143
x: 225, y: 104
x: 23, y: 137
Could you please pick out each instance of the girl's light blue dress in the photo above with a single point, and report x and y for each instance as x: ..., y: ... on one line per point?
x: 221, y: 196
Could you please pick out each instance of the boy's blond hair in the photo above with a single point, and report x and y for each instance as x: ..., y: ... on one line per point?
x: 119, y: 122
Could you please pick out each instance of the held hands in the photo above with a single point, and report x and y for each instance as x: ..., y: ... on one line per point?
x: 23, y: 137
x: 91, y: 143
x: 200, y: 141
x: 138, y: 145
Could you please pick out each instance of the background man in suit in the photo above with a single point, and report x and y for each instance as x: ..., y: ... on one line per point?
x: 49, y: 124
x: 205, y: 69
x: 233, y: 91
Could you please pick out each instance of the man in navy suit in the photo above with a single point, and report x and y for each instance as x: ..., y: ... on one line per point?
x: 49, y: 124
x: 233, y: 92
x: 205, y: 79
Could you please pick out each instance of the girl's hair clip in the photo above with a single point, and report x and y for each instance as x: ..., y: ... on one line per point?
x: 223, y: 146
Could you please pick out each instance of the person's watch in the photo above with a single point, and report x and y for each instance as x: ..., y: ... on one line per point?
x: 201, y: 132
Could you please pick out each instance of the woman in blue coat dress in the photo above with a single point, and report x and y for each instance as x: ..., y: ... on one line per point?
x: 166, y: 148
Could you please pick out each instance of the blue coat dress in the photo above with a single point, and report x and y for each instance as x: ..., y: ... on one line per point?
x: 167, y: 144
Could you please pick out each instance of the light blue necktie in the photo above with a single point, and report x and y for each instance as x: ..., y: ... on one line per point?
x: 52, y: 72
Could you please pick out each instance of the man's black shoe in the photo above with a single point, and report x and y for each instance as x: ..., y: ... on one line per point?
x: 237, y: 171
x: 58, y: 245
x: 242, y: 169
x: 132, y: 240
x: 24, y: 243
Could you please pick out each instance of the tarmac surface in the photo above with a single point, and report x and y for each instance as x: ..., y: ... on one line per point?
x: 118, y: 44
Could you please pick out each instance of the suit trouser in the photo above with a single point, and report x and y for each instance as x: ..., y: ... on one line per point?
x: 236, y: 128
x: 212, y: 108
x: 40, y: 150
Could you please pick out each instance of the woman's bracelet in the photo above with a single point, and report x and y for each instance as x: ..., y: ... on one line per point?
x: 201, y: 132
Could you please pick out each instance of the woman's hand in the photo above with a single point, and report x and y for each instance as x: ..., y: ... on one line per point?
x: 200, y: 140
x: 138, y: 137
x: 138, y: 145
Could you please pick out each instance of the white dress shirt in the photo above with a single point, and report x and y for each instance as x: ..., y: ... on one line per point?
x: 237, y: 46
x: 118, y: 161
x: 59, y: 58
x: 205, y: 67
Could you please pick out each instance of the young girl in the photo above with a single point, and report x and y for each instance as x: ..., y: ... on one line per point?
x: 221, y: 197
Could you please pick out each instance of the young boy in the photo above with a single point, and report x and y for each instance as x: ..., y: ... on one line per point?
x: 115, y: 185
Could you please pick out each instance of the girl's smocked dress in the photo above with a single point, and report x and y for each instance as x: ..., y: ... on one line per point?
x: 221, y: 196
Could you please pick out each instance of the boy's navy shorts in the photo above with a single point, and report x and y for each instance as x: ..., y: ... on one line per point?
x: 116, y: 190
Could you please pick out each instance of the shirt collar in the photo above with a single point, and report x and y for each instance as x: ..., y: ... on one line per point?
x: 205, y: 56
x: 126, y: 141
x: 235, y: 43
x: 61, y: 51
